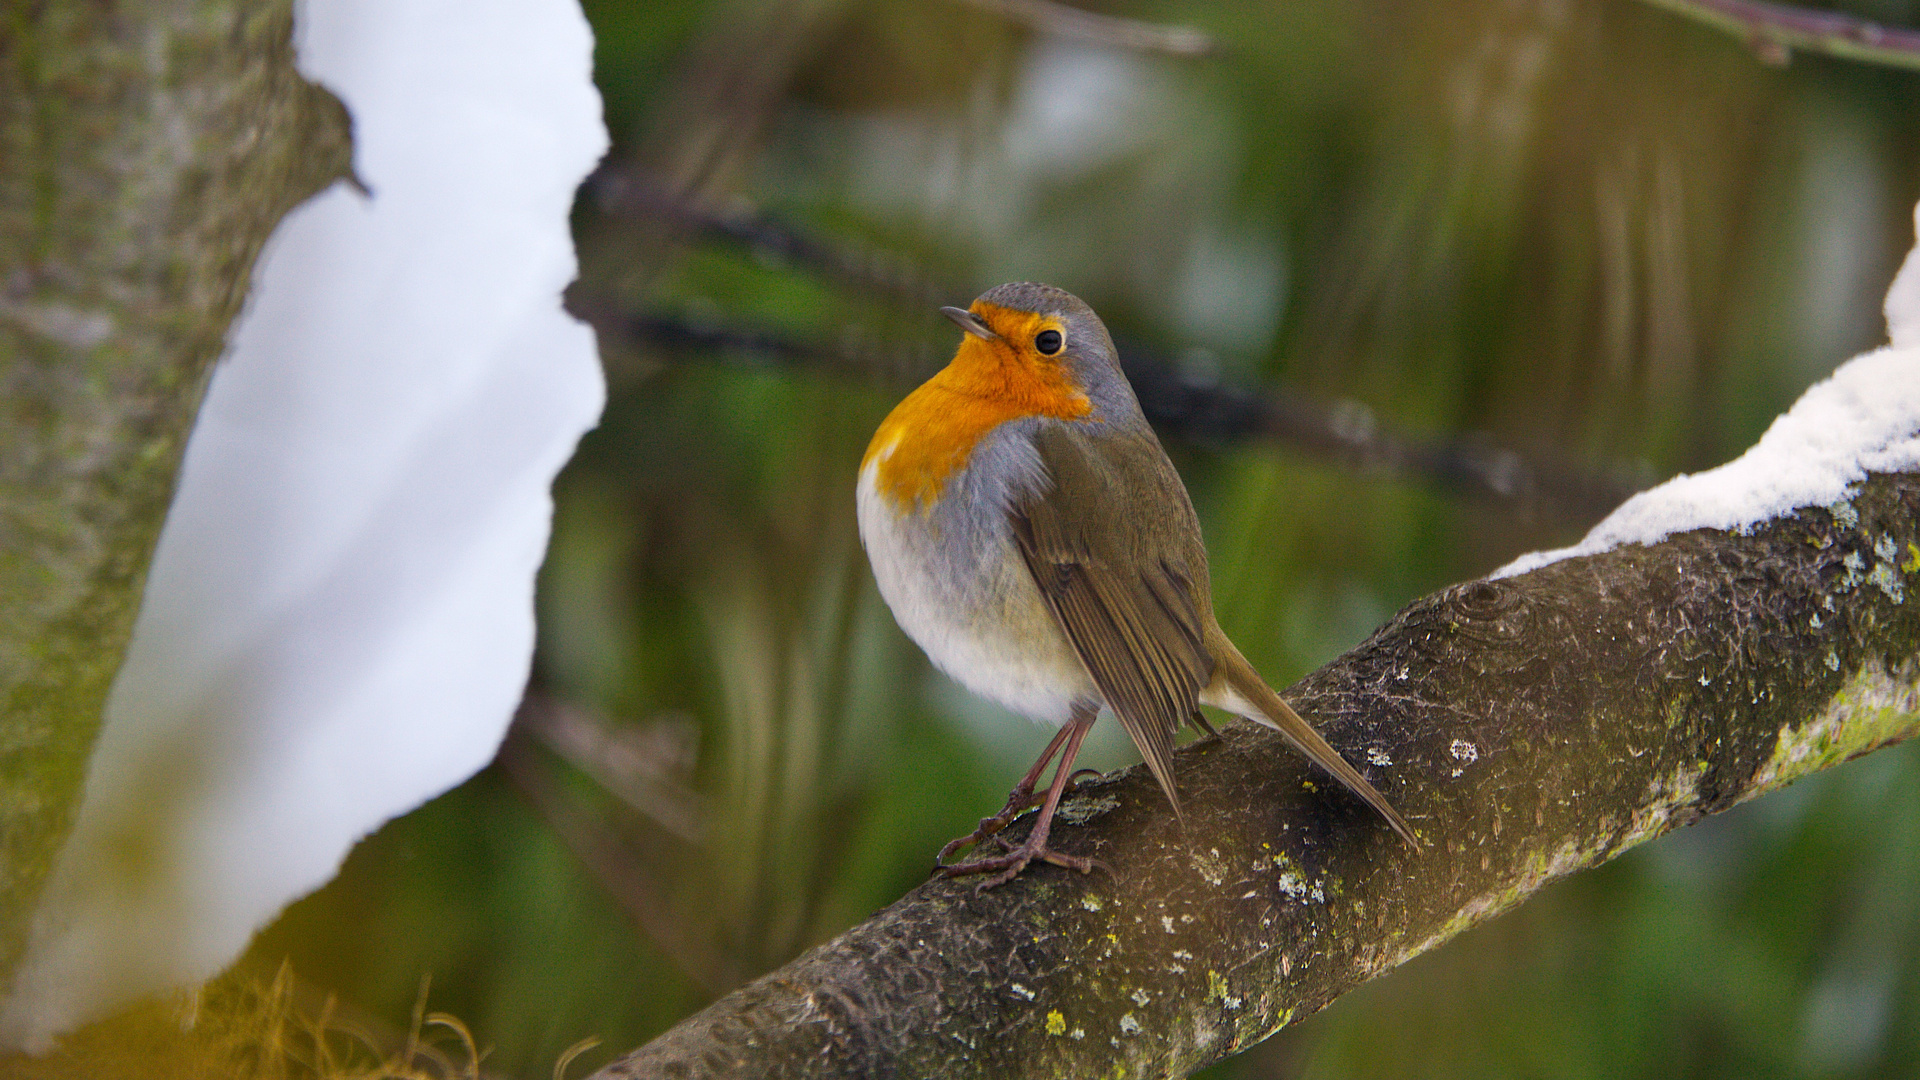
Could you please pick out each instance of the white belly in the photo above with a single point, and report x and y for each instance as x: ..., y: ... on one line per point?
x: 964, y: 594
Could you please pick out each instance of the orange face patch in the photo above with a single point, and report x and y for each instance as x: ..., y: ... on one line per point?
x: 930, y: 435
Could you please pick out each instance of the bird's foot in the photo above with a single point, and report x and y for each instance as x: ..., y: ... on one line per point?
x: 1022, y: 800
x: 1018, y: 803
x: 1006, y: 867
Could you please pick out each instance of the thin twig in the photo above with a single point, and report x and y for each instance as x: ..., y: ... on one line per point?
x: 1174, y: 401
x: 1061, y: 20
x: 624, y: 191
x: 1208, y: 411
x: 645, y: 766
x: 1775, y: 30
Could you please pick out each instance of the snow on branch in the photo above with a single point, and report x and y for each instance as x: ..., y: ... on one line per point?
x: 1860, y: 421
x: 1863, y: 419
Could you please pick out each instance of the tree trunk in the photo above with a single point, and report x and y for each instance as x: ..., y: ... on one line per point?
x: 1527, y: 727
x: 146, y: 151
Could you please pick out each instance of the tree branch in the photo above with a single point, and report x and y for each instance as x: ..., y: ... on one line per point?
x: 1528, y: 727
x: 1064, y: 20
x: 1775, y: 30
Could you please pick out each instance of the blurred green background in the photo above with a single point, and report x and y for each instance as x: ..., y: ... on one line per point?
x: 1584, y: 231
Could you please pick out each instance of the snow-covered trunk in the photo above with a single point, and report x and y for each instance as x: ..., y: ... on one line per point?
x: 339, y: 618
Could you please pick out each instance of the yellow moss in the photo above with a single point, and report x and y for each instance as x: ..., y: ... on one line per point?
x: 1875, y: 707
x: 1056, y: 1024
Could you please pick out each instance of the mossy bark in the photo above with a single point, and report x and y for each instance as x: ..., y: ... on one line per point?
x: 146, y: 151
x: 1527, y: 727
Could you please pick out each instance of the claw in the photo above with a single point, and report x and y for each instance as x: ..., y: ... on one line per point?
x: 1016, y: 859
x: 1018, y: 803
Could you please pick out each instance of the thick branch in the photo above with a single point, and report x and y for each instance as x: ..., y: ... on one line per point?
x: 1527, y: 727
x: 145, y: 153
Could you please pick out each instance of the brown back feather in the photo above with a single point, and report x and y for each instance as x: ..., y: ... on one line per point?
x: 1126, y: 584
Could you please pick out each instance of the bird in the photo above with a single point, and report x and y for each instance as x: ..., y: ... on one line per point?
x: 1028, y: 532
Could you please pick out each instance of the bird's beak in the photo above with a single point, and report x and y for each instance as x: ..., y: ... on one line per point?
x: 970, y: 322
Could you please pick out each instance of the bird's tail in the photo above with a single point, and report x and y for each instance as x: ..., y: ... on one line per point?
x: 1258, y: 702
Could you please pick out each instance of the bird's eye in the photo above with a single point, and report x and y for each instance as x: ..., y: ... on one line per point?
x: 1048, y: 342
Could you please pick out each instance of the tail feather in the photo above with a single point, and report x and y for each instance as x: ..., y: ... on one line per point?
x: 1270, y: 709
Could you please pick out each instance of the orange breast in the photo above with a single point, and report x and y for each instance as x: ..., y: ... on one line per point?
x: 929, y: 436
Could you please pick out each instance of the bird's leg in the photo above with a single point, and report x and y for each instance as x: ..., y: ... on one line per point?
x: 1204, y: 726
x: 1035, y: 845
x: 1017, y: 803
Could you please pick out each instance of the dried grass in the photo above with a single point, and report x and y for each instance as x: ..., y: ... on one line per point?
x: 240, y: 1028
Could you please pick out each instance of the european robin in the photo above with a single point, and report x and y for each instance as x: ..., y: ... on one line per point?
x: 1030, y: 534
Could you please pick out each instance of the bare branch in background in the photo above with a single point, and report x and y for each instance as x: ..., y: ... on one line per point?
x: 1197, y: 409
x: 1775, y: 30
x: 1528, y: 728
x: 1061, y: 20
x: 712, y: 115
x: 1347, y: 432
x: 646, y: 766
x: 1179, y: 404
x: 626, y: 192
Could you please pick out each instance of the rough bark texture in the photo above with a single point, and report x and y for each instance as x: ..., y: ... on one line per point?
x: 1527, y: 728
x: 146, y: 151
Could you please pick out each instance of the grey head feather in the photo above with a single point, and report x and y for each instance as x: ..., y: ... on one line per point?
x: 1089, y: 351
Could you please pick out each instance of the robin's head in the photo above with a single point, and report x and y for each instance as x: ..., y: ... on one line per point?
x: 1029, y: 351
x: 1043, y: 343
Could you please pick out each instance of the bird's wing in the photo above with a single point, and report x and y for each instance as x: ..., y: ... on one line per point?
x: 1114, y: 547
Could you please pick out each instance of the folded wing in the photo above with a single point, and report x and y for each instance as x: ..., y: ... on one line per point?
x: 1127, y: 591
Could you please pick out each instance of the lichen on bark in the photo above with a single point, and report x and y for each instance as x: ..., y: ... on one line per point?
x: 1527, y: 728
x: 146, y: 151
